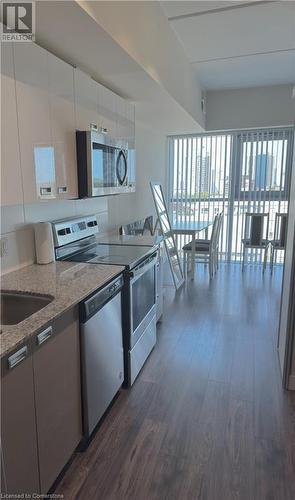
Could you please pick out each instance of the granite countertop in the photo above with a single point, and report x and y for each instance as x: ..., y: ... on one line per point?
x: 67, y: 282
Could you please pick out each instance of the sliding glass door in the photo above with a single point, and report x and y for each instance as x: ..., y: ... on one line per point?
x: 234, y: 172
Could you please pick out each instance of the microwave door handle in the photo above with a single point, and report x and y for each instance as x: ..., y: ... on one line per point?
x: 121, y: 158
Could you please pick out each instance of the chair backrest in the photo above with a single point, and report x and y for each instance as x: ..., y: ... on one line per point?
x: 139, y: 227
x: 220, y: 221
x: 215, y: 232
x: 256, y: 228
x: 133, y: 228
x: 280, y: 231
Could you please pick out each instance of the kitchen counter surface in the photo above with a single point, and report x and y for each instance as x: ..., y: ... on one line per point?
x: 67, y: 282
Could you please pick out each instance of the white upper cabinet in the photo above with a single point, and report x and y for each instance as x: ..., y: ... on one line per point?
x: 107, y: 110
x: 125, y: 120
x: 62, y: 120
x: 44, y: 101
x: 46, y: 113
x: 130, y: 110
x: 121, y: 118
x: 86, y: 100
x: 36, y: 149
x: 11, y: 181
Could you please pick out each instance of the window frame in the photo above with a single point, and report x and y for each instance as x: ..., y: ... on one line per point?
x: 259, y: 136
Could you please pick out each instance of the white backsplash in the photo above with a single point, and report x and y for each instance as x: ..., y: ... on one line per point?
x: 20, y: 249
x: 17, y: 226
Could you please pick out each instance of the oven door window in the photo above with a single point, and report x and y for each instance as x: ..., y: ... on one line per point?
x: 143, y: 296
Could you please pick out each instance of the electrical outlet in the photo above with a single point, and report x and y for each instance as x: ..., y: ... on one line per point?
x: 3, y: 247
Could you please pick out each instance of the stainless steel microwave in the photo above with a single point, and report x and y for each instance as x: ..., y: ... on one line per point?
x: 105, y: 166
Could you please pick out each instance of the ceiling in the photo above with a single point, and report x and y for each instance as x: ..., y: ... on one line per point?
x: 236, y: 44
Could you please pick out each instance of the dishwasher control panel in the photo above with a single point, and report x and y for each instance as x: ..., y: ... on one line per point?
x: 95, y: 302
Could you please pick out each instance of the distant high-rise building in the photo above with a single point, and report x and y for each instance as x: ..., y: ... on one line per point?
x: 203, y: 174
x: 263, y: 171
x: 203, y: 165
x: 259, y: 173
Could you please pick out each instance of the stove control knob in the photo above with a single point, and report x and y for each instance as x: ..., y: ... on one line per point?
x: 64, y: 231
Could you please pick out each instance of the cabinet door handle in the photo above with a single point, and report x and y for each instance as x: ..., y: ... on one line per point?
x: 45, y: 335
x: 62, y: 189
x: 17, y: 357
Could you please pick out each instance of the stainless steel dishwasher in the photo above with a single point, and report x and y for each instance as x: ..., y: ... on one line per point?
x: 101, y: 351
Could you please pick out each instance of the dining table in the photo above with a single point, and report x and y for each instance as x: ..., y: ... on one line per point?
x: 191, y: 228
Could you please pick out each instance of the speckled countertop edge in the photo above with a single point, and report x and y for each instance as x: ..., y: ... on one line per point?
x: 67, y: 282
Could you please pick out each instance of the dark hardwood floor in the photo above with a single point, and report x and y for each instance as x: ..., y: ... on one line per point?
x: 207, y: 417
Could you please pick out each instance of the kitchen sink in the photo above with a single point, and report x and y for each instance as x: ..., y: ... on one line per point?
x: 17, y: 306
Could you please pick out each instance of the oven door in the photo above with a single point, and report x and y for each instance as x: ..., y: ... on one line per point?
x: 142, y: 297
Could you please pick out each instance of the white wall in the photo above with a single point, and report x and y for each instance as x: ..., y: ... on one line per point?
x: 250, y: 108
x: 17, y: 225
x: 150, y: 166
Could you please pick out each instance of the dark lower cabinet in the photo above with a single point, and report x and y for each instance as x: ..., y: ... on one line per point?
x: 41, y: 422
x: 56, y: 364
x: 19, y: 457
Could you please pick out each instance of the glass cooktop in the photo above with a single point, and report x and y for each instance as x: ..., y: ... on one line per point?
x: 128, y: 256
x: 130, y: 240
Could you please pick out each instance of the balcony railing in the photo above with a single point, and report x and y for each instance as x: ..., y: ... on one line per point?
x: 239, y: 172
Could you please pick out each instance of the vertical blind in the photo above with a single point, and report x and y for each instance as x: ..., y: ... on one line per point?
x: 234, y: 172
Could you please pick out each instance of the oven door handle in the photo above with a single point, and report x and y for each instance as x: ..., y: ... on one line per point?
x: 137, y: 273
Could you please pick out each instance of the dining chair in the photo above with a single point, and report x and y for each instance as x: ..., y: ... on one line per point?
x: 280, y: 233
x: 206, y: 250
x: 255, y: 235
x: 220, y: 222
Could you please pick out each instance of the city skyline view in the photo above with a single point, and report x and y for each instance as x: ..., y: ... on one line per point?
x: 231, y: 173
